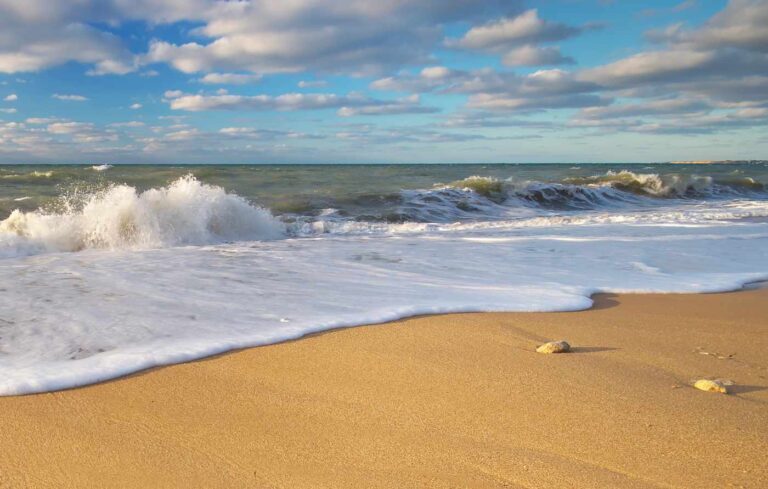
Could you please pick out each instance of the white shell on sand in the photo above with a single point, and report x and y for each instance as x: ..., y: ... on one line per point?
x: 561, y: 346
x: 711, y: 386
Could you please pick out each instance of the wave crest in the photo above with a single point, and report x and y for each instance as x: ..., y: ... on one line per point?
x: 490, y: 187
x: 185, y: 212
x: 672, y: 186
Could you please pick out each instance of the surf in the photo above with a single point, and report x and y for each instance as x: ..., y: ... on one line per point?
x: 186, y: 212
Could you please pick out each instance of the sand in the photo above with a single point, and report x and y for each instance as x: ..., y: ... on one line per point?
x: 442, y: 401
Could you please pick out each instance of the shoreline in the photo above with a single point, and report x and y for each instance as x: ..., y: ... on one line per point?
x: 222, y: 351
x: 435, y: 401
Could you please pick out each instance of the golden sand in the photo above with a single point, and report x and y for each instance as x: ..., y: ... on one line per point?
x: 442, y: 401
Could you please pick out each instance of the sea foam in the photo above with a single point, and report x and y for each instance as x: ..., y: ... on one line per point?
x: 117, y: 280
x: 121, y: 217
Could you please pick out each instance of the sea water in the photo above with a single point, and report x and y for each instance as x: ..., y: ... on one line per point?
x: 106, y: 270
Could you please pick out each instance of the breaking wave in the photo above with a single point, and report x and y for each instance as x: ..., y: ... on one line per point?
x: 189, y: 212
x: 487, y: 198
x: 669, y: 186
x: 27, y: 177
x: 185, y: 212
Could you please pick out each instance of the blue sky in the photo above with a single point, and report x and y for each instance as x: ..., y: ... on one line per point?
x: 207, y: 81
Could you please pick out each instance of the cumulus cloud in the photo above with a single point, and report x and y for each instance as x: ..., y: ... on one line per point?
x: 427, y: 80
x: 40, y: 120
x: 133, y: 124
x: 312, y: 83
x: 366, y: 36
x: 266, y: 134
x: 502, y: 102
x: 136, y: 106
x: 69, y: 97
x: 713, y: 60
x: 502, y: 91
x: 82, y: 132
x: 536, y: 56
x: 654, y: 107
x: 348, y: 105
x: 482, y: 119
x: 690, y: 80
x: 360, y: 135
x: 37, y: 34
x: 11, y: 98
x: 229, y: 79
x: 69, y: 127
x: 694, y: 123
x: 407, y: 105
x: 740, y: 25
x: 238, y: 36
x: 516, y: 38
x: 504, y: 33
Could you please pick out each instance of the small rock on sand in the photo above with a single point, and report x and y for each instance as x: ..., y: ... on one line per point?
x: 561, y: 346
x: 711, y: 386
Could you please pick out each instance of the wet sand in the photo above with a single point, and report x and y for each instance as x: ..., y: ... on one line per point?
x: 440, y: 401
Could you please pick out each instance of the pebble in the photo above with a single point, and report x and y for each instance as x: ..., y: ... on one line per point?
x: 711, y: 386
x: 561, y: 346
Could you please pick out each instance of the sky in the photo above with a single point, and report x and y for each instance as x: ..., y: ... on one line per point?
x: 324, y: 81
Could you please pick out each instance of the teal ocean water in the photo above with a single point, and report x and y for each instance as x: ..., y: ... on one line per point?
x: 390, y: 192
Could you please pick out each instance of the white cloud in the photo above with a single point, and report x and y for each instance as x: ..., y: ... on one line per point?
x: 672, y: 106
x: 38, y: 34
x: 428, y: 79
x: 507, y: 103
x: 171, y: 94
x: 229, y: 79
x: 69, y: 127
x: 685, y: 123
x: 500, y: 35
x: 132, y: 124
x: 502, y: 91
x: 740, y: 25
x: 69, y: 97
x: 265, y: 134
x: 238, y: 36
x: 136, y: 106
x: 8, y: 111
x: 407, y: 105
x: 11, y: 98
x: 715, y: 60
x: 517, y: 39
x: 348, y: 105
x: 324, y: 35
x: 312, y: 83
x: 40, y: 120
x: 81, y: 132
x: 535, y: 56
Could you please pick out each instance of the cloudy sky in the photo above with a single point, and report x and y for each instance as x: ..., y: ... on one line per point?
x: 250, y: 81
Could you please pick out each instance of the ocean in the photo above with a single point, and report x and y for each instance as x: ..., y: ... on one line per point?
x: 107, y: 270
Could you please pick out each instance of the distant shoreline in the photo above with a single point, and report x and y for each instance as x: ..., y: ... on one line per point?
x: 714, y: 162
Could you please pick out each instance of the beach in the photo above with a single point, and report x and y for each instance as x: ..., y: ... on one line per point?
x: 456, y: 400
